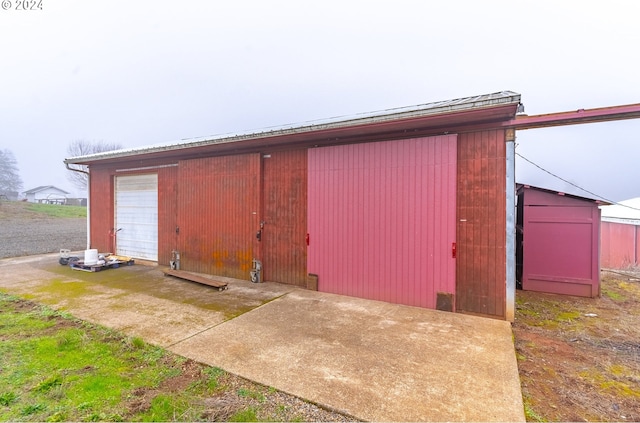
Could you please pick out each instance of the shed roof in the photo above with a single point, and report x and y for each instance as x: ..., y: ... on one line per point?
x: 627, y: 209
x: 43, y: 188
x: 436, y: 116
x: 521, y: 187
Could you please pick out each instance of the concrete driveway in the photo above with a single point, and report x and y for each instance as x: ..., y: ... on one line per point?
x: 372, y: 360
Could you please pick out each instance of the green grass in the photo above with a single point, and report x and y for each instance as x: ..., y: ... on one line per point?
x: 246, y: 415
x: 55, y: 210
x: 614, y: 295
x: 54, y: 367
x: 248, y: 393
x: 531, y: 415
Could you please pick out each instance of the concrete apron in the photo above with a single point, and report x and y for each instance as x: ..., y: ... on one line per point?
x: 372, y: 360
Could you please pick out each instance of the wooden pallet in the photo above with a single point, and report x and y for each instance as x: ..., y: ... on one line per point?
x: 220, y: 286
x: 79, y: 265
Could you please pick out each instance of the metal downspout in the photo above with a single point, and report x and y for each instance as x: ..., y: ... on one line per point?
x: 510, y: 297
x: 88, y: 202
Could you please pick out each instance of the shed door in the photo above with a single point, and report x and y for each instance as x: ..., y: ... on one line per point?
x: 285, y: 217
x: 136, y: 216
x: 381, y: 219
x: 218, y: 214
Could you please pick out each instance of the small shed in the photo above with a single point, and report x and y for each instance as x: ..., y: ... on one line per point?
x: 558, y: 242
x: 47, y: 194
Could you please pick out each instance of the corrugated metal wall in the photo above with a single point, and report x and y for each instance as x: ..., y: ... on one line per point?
x: 219, y: 206
x: 382, y: 219
x: 101, y: 203
x: 481, y: 239
x: 560, y: 244
x: 167, y: 213
x: 620, y: 245
x: 219, y: 214
x: 284, y: 249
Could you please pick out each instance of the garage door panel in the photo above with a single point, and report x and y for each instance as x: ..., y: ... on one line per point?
x: 136, y: 216
x: 382, y: 219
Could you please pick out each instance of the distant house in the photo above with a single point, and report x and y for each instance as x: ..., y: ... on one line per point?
x: 620, y: 232
x: 47, y: 194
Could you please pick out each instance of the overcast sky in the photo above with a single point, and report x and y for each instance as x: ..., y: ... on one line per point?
x: 146, y: 72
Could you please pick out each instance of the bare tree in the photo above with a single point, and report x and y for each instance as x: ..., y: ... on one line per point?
x: 79, y: 148
x: 10, y: 180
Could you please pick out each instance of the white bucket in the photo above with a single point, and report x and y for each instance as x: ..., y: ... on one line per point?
x: 90, y: 257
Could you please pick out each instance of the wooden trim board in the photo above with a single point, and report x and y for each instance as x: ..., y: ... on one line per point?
x: 195, y: 278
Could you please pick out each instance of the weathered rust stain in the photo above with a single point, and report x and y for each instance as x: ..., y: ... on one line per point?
x: 220, y: 258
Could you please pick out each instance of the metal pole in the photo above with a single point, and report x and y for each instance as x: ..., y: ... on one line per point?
x: 510, y: 297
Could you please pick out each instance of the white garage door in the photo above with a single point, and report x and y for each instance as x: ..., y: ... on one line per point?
x: 137, y: 216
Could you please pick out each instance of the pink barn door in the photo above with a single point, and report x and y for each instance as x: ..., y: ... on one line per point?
x: 381, y: 219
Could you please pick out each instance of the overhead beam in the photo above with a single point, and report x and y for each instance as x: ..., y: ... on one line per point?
x: 603, y: 114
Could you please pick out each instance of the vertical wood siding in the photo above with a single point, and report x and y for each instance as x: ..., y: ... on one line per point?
x: 481, y: 204
x: 284, y: 249
x: 382, y: 219
x: 167, y: 213
x: 101, y: 214
x: 218, y: 214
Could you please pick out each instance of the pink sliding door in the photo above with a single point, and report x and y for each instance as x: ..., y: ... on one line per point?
x: 381, y: 219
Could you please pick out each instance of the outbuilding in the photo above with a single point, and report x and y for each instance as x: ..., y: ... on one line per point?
x: 620, y: 231
x: 558, y: 242
x: 413, y: 205
x: 47, y: 194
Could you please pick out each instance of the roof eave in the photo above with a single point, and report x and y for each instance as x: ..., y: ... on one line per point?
x: 449, y: 114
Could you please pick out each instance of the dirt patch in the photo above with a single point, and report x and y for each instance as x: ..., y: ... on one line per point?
x: 25, y: 232
x: 579, y: 358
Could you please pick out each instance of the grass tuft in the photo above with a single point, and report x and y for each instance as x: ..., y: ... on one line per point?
x: 249, y: 414
x: 7, y: 398
x: 47, y: 384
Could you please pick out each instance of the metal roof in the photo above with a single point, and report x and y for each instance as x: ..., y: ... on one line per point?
x: 520, y: 187
x: 42, y: 188
x: 627, y: 209
x: 389, y: 115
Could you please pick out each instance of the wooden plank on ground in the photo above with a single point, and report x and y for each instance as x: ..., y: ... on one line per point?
x: 195, y: 278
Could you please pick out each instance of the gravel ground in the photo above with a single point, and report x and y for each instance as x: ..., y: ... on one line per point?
x: 29, y: 236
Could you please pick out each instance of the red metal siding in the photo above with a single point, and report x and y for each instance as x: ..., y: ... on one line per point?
x: 218, y: 214
x: 382, y: 219
x: 167, y: 213
x: 560, y: 244
x: 619, y: 245
x: 101, y: 213
x: 481, y: 213
x: 637, y: 245
x: 284, y: 250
